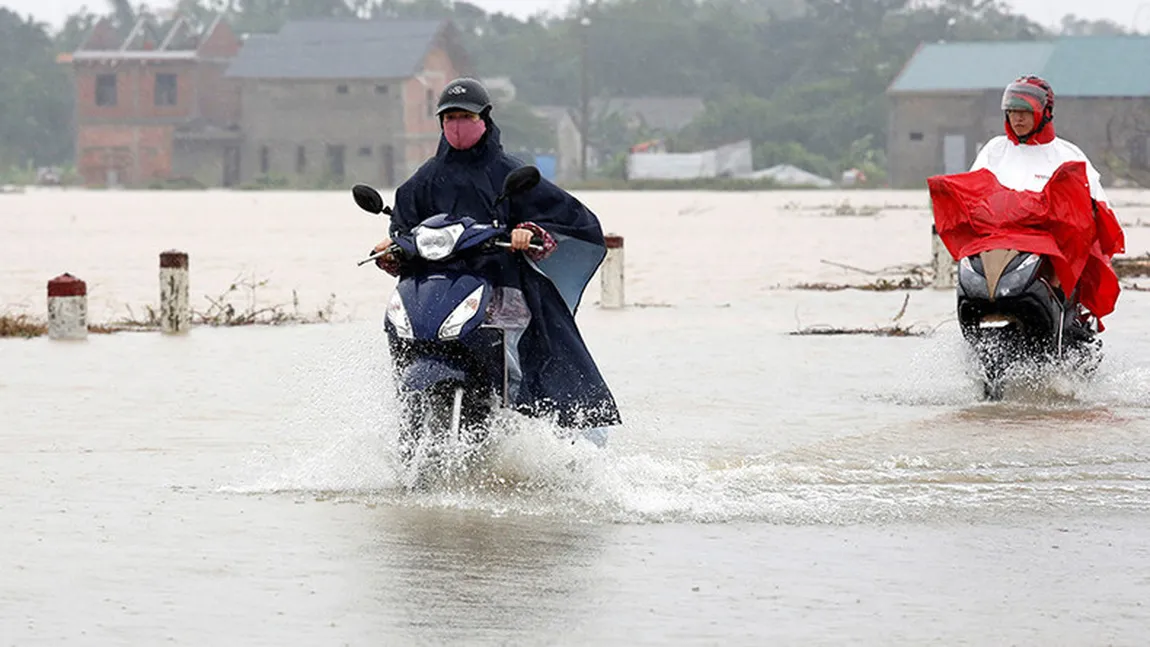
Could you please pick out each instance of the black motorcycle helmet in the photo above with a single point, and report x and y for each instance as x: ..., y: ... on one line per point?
x: 464, y: 94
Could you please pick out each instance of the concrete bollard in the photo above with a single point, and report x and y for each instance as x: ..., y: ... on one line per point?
x: 175, y: 311
x: 945, y: 269
x: 67, y: 308
x: 611, y: 270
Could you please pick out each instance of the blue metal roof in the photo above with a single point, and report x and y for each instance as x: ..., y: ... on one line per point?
x: 1087, y: 66
x: 1101, y: 67
x: 940, y: 67
x: 337, y: 49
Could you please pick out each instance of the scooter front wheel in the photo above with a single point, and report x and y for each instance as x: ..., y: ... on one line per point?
x: 997, y: 349
x: 432, y: 418
x: 992, y: 390
x: 442, y: 426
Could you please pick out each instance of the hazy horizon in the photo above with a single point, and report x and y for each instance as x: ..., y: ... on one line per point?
x: 1046, y: 12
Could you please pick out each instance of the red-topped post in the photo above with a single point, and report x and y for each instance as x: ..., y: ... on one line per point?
x: 611, y: 273
x: 67, y: 308
x: 175, y: 311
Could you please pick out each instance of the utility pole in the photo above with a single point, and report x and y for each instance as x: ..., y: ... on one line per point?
x: 584, y: 90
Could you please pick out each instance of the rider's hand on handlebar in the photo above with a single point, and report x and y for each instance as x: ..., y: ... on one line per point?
x: 388, y: 262
x: 520, y: 239
x: 539, y: 243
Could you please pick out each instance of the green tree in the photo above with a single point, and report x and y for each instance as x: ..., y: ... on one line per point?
x: 75, y: 30
x: 1072, y: 25
x: 523, y: 130
x: 35, y: 121
x: 123, y: 14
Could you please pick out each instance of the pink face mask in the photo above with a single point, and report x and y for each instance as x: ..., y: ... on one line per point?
x: 462, y: 134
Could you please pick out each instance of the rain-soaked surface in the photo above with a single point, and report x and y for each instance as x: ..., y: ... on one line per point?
x: 239, y: 486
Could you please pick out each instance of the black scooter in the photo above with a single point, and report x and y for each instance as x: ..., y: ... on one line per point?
x: 1011, y: 310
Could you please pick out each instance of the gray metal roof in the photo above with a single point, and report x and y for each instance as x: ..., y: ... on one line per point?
x: 1086, y: 66
x: 337, y: 49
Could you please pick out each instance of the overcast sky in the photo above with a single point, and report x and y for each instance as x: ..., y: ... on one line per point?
x: 1047, y: 12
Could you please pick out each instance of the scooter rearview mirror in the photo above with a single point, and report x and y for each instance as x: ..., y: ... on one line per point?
x: 368, y: 199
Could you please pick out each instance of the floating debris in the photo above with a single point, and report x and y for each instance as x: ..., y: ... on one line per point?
x: 896, y: 329
x: 1128, y: 266
x: 22, y: 325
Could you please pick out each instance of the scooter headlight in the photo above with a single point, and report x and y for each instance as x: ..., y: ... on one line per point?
x: 972, y: 283
x: 1016, y: 279
x: 437, y: 244
x: 462, y: 313
x: 397, y: 315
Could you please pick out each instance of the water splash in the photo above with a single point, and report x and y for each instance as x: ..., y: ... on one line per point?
x: 945, y: 373
x: 528, y: 469
x: 947, y: 455
x: 334, y: 434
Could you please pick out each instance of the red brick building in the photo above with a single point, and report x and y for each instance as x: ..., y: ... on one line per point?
x: 153, y: 104
x: 319, y: 101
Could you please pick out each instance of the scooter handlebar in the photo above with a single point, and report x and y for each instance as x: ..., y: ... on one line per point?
x: 394, y: 249
x: 536, y: 244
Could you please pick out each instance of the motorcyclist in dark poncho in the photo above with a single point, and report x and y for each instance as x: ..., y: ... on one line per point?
x: 557, y: 374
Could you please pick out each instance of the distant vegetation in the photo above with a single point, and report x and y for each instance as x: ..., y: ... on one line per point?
x: 803, y: 79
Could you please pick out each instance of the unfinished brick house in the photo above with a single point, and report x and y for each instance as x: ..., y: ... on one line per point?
x: 344, y: 100
x: 153, y: 104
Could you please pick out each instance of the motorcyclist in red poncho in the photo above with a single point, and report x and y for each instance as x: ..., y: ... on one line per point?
x: 1033, y: 233
x: 1024, y: 160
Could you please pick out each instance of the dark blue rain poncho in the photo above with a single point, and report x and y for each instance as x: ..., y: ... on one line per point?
x: 559, y: 377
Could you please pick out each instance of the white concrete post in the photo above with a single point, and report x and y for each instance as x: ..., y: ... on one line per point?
x: 175, y: 311
x: 67, y: 308
x: 611, y: 274
x: 945, y: 269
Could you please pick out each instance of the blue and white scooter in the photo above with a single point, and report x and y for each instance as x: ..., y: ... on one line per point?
x: 452, y: 333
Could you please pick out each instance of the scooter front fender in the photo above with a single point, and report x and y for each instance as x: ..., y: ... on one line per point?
x: 426, y: 371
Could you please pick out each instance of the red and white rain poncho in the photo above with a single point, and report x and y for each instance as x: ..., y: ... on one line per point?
x: 1040, y: 195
